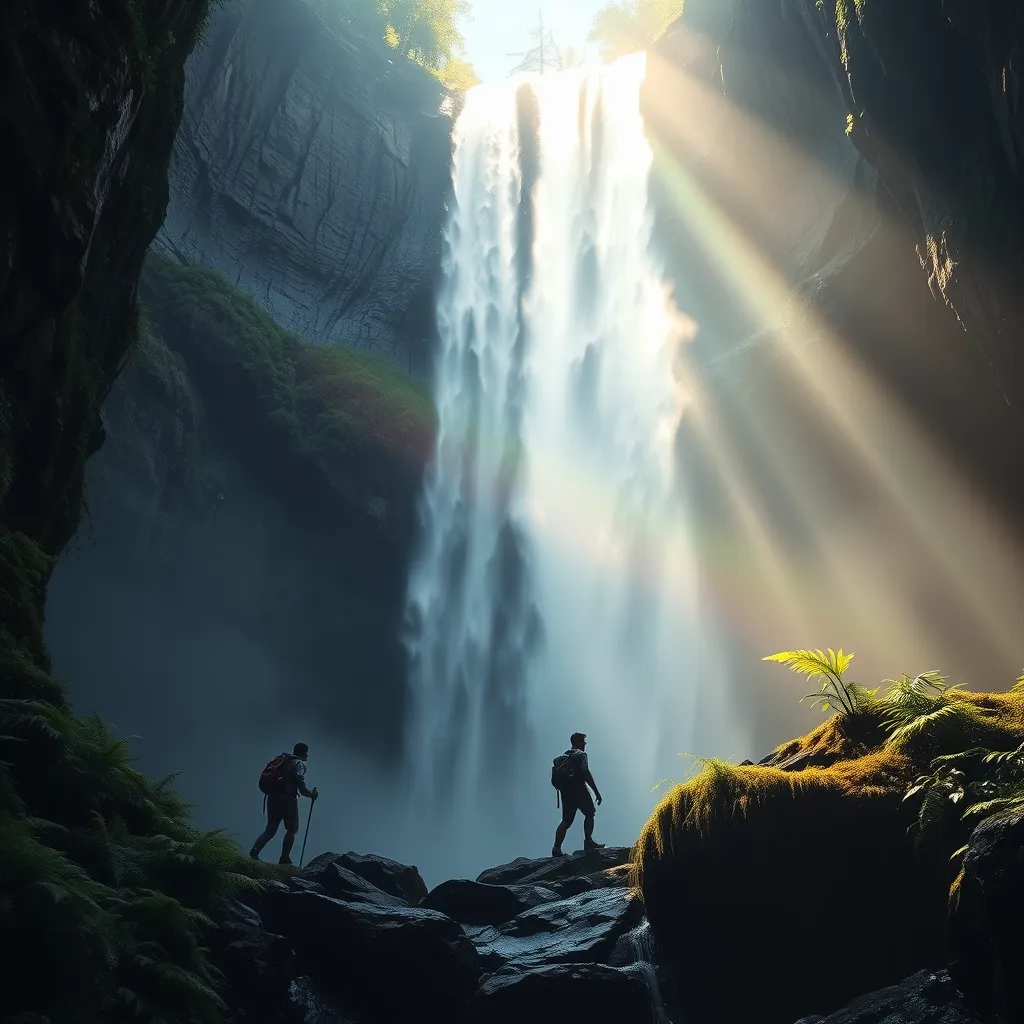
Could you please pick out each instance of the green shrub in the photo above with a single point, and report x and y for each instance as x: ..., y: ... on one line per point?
x: 324, y: 400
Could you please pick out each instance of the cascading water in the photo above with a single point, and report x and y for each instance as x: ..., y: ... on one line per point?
x: 554, y: 591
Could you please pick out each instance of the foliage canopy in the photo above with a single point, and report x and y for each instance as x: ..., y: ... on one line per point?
x: 424, y: 31
x: 626, y: 26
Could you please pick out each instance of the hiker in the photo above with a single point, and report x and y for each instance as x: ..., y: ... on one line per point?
x: 282, y: 781
x: 570, y: 775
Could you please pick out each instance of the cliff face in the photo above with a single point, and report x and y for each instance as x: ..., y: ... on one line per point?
x: 251, y: 520
x: 313, y: 172
x: 804, y: 186
x: 81, y: 114
x: 871, y: 155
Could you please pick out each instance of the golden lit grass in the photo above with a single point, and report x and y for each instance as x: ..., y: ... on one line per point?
x: 810, y: 876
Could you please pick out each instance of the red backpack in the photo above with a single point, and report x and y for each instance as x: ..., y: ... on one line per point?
x: 272, y: 777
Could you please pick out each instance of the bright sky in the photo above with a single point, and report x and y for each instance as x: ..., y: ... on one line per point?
x: 501, y: 27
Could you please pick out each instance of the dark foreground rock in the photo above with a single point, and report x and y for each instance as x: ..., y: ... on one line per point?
x: 923, y: 998
x: 328, y: 946
x: 526, y: 870
x: 986, y: 936
x: 388, y: 876
x: 560, y: 992
x: 578, y: 930
x: 354, y: 951
x: 477, y: 903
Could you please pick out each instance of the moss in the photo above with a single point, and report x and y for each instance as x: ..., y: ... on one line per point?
x: 331, y: 401
x: 815, y: 869
x: 106, y: 887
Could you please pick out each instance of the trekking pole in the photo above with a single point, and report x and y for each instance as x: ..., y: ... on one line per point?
x: 302, y: 856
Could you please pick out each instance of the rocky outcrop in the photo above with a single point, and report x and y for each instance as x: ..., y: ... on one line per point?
x: 313, y: 171
x: 986, y: 940
x: 923, y: 998
x: 312, y: 949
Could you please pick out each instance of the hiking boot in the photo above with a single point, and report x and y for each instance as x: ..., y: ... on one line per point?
x: 589, y: 844
x: 285, y: 861
x: 255, y: 854
x: 556, y: 851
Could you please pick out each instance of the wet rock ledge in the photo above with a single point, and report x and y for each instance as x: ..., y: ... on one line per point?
x: 359, y: 940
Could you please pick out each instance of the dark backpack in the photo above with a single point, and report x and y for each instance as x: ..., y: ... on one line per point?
x: 565, y: 770
x: 274, y: 776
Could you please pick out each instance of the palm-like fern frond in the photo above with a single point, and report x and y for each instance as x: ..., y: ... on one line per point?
x: 835, y: 694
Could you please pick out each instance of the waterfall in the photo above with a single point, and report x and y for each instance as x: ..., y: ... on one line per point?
x: 555, y: 589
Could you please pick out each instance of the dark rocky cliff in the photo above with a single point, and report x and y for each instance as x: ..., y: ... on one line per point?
x: 809, y: 180
x: 871, y: 154
x: 312, y: 170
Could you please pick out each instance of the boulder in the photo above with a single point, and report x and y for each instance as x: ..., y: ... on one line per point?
x: 549, y: 869
x: 559, y: 992
x: 383, y: 962
x: 924, y: 998
x: 389, y: 876
x: 477, y: 903
x: 578, y: 930
x: 986, y: 939
x: 256, y: 964
x: 512, y: 872
x: 307, y: 1004
x: 612, y: 878
x: 342, y: 884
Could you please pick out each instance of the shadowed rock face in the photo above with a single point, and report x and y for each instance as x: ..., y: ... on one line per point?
x: 313, y: 171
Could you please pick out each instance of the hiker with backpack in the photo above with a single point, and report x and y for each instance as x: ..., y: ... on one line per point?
x: 570, y: 775
x: 283, y: 779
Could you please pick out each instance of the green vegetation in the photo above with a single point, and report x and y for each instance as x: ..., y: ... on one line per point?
x: 738, y: 850
x: 626, y: 26
x: 424, y: 31
x: 972, y: 784
x: 836, y: 693
x: 325, y: 400
x: 107, y: 889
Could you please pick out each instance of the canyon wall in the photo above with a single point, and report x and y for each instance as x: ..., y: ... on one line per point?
x: 312, y: 169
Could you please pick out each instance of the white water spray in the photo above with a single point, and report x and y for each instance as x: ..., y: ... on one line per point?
x: 555, y: 589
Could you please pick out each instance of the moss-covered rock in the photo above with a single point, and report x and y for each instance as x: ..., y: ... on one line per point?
x: 780, y: 892
x: 104, y: 882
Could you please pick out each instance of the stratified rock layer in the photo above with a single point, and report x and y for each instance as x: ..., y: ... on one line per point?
x: 313, y: 171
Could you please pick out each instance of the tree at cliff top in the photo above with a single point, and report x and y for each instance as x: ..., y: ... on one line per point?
x: 631, y: 25
x: 424, y: 31
x: 458, y: 75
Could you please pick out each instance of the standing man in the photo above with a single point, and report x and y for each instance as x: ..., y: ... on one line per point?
x: 571, y: 777
x: 282, y: 781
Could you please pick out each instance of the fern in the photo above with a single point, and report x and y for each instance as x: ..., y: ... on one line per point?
x: 926, y: 706
x: 830, y: 666
x: 978, y: 782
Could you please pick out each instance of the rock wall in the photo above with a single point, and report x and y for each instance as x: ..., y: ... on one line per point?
x: 799, y: 214
x: 257, y: 573
x: 313, y: 171
x: 875, y: 168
